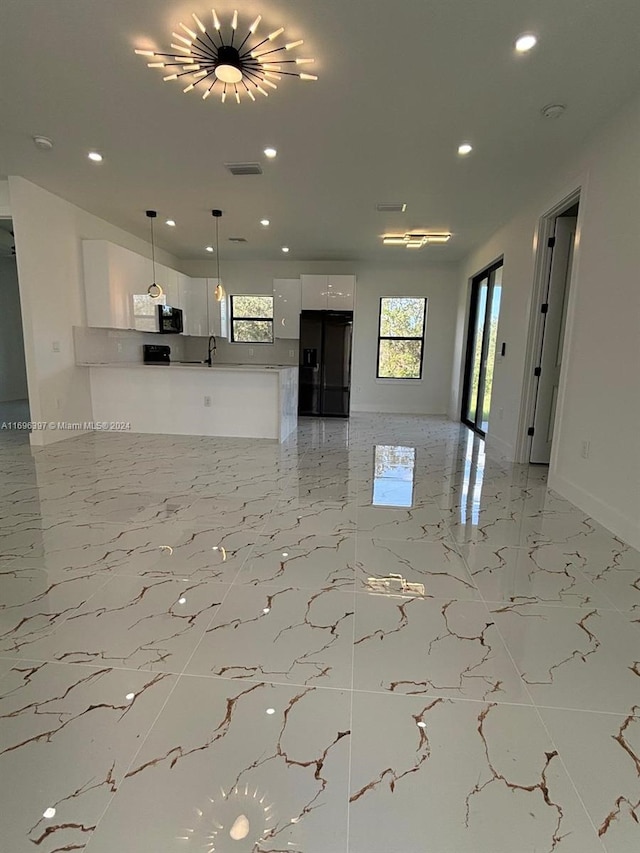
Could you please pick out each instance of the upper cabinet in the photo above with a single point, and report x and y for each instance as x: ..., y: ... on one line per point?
x: 341, y: 291
x: 112, y: 276
x: 116, y: 282
x: 193, y: 301
x: 314, y: 292
x: 168, y: 281
x: 286, y: 307
x: 203, y: 314
x: 328, y: 292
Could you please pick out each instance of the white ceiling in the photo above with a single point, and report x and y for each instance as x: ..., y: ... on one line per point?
x: 401, y: 84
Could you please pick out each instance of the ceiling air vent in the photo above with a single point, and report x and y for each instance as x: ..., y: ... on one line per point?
x: 391, y: 207
x: 237, y: 239
x: 244, y: 168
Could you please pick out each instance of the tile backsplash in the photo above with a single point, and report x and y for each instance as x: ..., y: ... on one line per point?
x: 121, y: 346
x: 279, y: 352
x: 115, y: 346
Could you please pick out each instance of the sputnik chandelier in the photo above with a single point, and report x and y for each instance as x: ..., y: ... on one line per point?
x: 234, y: 66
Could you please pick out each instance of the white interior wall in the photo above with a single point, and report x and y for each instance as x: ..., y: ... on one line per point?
x: 430, y: 394
x: 48, y: 233
x: 600, y: 393
x: 13, y: 374
x: 438, y: 283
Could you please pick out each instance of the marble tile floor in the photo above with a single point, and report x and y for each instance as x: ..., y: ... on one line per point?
x: 371, y: 639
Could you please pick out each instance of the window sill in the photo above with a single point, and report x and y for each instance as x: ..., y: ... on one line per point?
x: 387, y: 381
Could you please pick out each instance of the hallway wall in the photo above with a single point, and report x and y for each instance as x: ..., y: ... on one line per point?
x: 13, y: 374
x: 600, y: 400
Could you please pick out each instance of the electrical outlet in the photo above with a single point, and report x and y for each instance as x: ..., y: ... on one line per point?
x: 292, y: 353
x: 119, y: 347
x: 500, y: 414
x: 55, y: 346
x: 250, y: 350
x: 585, y: 448
x: 207, y: 402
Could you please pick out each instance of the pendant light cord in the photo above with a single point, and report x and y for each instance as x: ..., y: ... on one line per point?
x: 153, y: 252
x: 218, y: 248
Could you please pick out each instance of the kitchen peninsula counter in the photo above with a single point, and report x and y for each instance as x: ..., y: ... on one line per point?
x: 240, y: 400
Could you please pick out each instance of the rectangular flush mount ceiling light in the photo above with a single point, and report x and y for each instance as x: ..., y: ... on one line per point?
x: 413, y: 240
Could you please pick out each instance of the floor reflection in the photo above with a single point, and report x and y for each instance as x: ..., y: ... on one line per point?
x: 393, y: 475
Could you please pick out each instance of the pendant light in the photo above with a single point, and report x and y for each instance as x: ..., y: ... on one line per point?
x: 154, y: 290
x: 219, y: 292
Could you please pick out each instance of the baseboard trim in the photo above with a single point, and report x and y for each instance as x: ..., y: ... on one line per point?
x: 377, y: 409
x: 500, y: 448
x: 620, y: 525
x: 43, y: 438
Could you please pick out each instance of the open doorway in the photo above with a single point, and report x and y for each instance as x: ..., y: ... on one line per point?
x: 14, y: 403
x: 486, y: 293
x: 557, y: 243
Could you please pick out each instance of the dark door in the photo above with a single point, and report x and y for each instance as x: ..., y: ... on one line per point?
x: 481, y: 348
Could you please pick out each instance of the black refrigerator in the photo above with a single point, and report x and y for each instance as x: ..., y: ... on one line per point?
x: 325, y: 363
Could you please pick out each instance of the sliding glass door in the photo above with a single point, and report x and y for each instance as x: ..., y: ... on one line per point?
x: 486, y: 291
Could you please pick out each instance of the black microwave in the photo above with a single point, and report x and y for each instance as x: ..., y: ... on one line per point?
x: 169, y: 320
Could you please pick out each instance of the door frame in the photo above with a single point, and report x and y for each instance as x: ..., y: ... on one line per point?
x: 471, y: 322
x: 542, y: 269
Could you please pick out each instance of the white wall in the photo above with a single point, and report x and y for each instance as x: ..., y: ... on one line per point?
x: 5, y: 207
x: 430, y: 394
x: 48, y: 233
x: 600, y: 391
x: 438, y: 283
x: 13, y: 374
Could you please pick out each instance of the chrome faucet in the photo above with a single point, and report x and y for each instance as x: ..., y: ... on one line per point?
x: 211, y: 349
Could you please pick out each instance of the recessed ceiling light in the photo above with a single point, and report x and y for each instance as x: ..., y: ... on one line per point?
x: 49, y: 813
x: 285, y: 249
x: 182, y: 600
x: 265, y: 223
x: 171, y: 223
x: 93, y: 155
x: 270, y: 153
x: 209, y: 248
x: 525, y: 42
x: 43, y: 142
x: 130, y: 697
x: 553, y: 110
x: 271, y: 711
x: 465, y: 148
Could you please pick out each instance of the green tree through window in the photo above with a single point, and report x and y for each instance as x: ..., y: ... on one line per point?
x: 252, y: 319
x: 401, y: 337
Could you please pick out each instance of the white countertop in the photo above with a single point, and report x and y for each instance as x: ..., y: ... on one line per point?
x: 176, y: 365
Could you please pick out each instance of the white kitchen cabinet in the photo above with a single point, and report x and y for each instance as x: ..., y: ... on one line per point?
x: 168, y: 281
x: 314, y: 292
x: 193, y: 301
x: 287, y: 303
x: 203, y: 315
x: 328, y: 292
x: 112, y: 275
x: 341, y: 292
